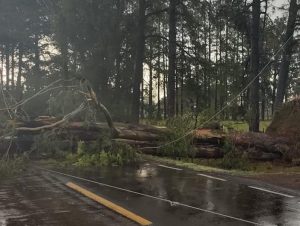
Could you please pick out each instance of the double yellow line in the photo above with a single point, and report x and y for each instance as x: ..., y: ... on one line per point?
x: 110, y: 205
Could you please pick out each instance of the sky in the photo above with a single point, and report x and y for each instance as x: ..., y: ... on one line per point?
x: 279, y: 3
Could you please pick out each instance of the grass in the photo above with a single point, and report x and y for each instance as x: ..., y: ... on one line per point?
x: 212, y: 166
x: 243, y: 126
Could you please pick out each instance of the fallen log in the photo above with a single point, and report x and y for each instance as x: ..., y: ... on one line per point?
x: 206, y: 143
x: 254, y: 154
x: 260, y: 141
x: 208, y: 152
x: 135, y: 143
x: 194, y: 152
x: 208, y: 136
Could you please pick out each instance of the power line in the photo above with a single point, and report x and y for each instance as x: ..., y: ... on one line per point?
x: 171, y: 202
x: 227, y: 104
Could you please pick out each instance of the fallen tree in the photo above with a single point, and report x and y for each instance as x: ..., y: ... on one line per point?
x: 204, y: 143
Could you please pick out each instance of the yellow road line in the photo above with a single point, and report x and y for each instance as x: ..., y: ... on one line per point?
x: 110, y: 205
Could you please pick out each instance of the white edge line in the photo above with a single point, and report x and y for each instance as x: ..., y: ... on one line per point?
x: 211, y: 177
x: 150, y: 196
x: 272, y: 192
x: 168, y: 167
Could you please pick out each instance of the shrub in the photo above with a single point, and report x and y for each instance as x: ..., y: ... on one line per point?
x: 11, y: 167
x: 233, y: 158
x: 48, y: 144
x: 117, y: 154
x: 179, y: 126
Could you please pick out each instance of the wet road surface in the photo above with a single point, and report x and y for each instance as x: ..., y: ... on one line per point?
x: 39, y: 199
x: 205, y: 199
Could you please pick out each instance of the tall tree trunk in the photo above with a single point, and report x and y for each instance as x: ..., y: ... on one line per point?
x: 209, y: 55
x: 142, y: 115
x: 263, y: 103
x: 139, y: 59
x: 165, y: 83
x: 176, y: 95
x: 274, y: 85
x: 255, y: 59
x: 151, y: 82
x: 7, y: 65
x: 172, y: 58
x: 13, y: 64
x: 37, y: 66
x: 2, y: 67
x: 19, y: 78
x: 286, y: 56
x: 158, y: 77
x: 64, y: 53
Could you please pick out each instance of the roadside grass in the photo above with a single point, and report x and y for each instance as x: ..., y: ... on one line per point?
x: 11, y: 167
x: 213, y: 166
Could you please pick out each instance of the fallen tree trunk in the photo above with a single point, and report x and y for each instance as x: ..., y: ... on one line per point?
x: 206, y: 143
x: 260, y: 141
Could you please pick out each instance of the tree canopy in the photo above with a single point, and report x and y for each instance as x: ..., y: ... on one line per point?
x: 151, y: 58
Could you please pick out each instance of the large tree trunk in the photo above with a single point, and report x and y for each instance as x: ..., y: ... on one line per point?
x: 13, y: 64
x: 2, y: 67
x: 37, y: 64
x: 19, y: 78
x: 139, y: 59
x: 164, y: 84
x: 151, y: 82
x: 172, y: 58
x: 286, y: 56
x: 158, y: 78
x: 7, y: 65
x: 255, y: 59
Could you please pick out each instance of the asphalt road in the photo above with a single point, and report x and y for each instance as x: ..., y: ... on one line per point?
x: 164, y: 195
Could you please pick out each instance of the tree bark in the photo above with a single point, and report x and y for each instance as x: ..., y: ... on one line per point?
x: 158, y: 77
x: 151, y: 83
x: 164, y: 83
x: 286, y: 56
x: 255, y: 60
x: 2, y: 67
x: 19, y: 78
x: 13, y: 64
x: 139, y: 59
x: 172, y: 58
x: 7, y: 65
x: 101, y: 108
x: 37, y: 65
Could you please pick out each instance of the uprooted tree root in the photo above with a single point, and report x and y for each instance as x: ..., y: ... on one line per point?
x: 286, y: 122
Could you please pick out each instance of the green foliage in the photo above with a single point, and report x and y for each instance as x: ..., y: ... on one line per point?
x: 179, y: 127
x: 48, y: 144
x: 11, y: 167
x: 94, y: 155
x: 242, y: 126
x: 233, y: 158
x: 101, y: 152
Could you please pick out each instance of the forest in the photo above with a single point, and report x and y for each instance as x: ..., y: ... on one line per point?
x: 149, y: 112
x: 182, y: 65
